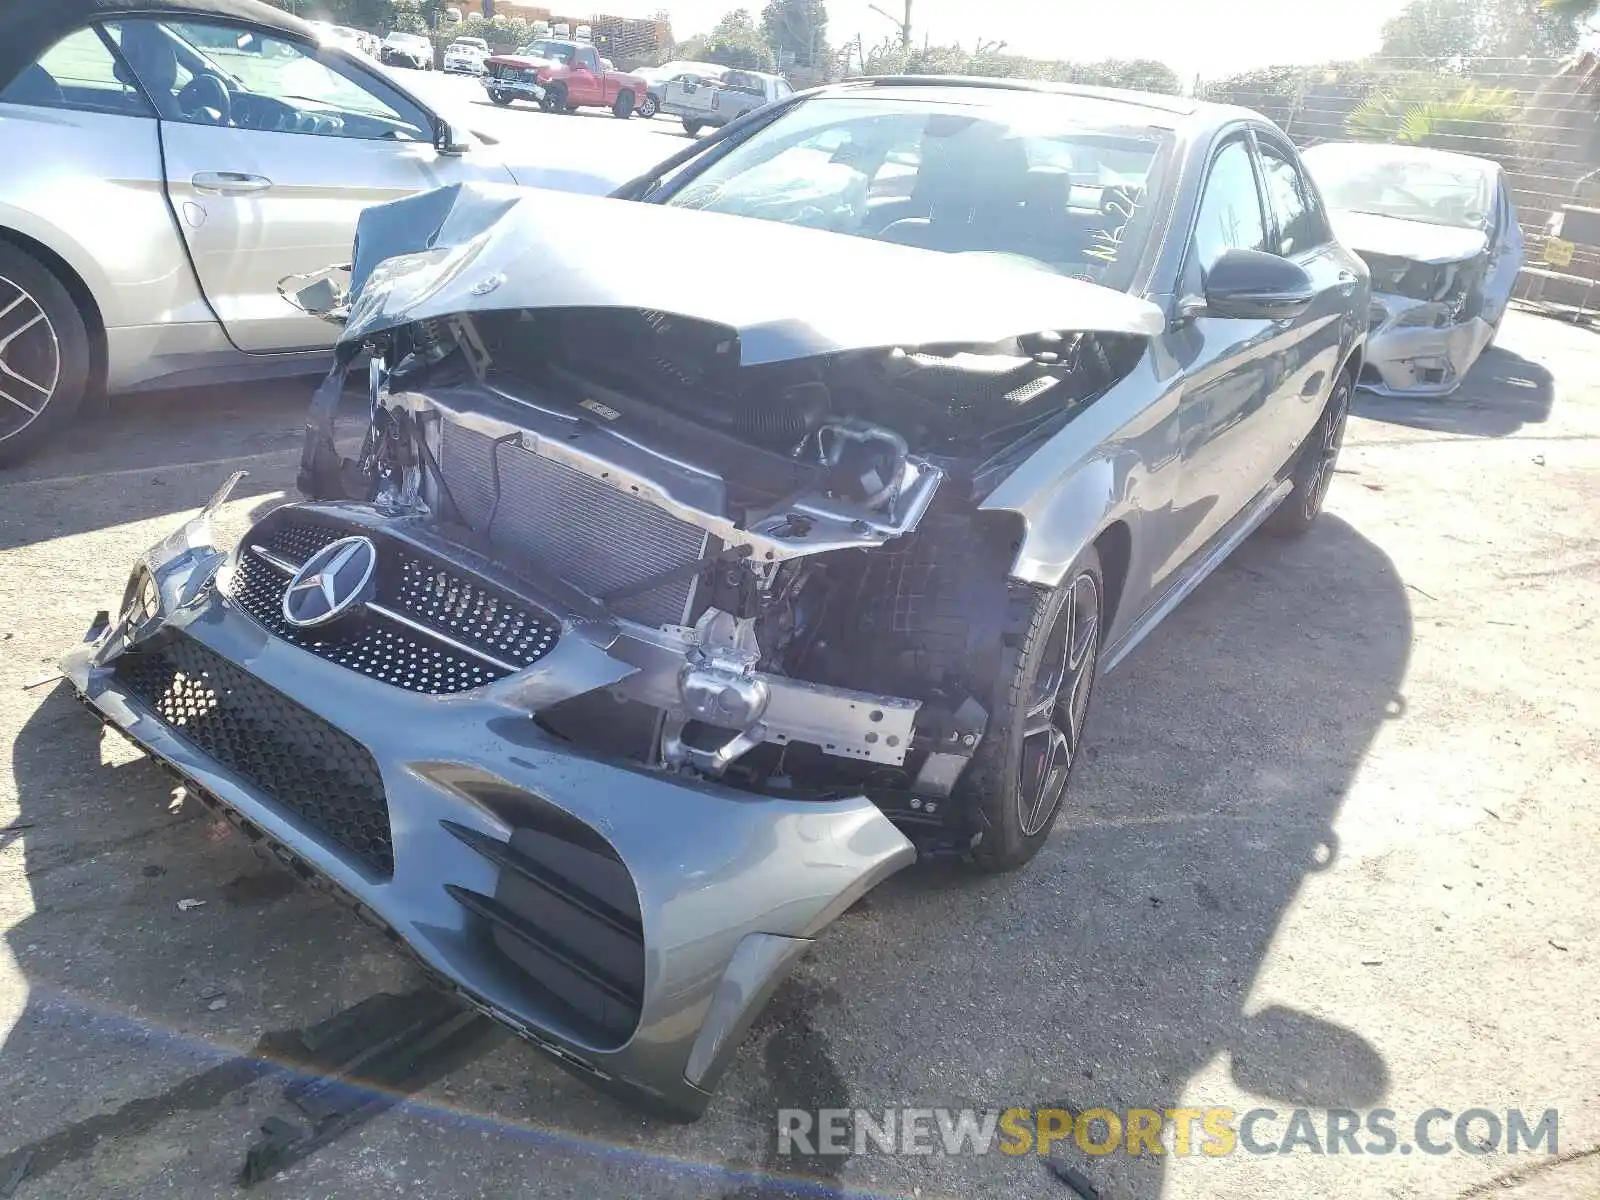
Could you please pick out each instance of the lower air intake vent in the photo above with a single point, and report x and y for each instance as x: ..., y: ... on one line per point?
x: 566, y: 914
x: 287, y: 752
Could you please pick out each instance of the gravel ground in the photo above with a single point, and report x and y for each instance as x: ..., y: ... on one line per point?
x: 1333, y: 846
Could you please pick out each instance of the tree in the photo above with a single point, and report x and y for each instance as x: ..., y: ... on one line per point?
x: 797, y: 31
x: 736, y: 42
x: 1439, y: 34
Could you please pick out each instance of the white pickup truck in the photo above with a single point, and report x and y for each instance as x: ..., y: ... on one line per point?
x: 711, y: 102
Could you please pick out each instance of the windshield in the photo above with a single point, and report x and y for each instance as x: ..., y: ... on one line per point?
x: 1060, y: 182
x: 1393, y: 181
x: 558, y: 51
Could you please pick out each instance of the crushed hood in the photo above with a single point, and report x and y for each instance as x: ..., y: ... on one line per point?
x: 1395, y: 237
x: 786, y: 292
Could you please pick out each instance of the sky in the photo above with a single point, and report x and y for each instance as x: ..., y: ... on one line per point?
x: 1211, y: 38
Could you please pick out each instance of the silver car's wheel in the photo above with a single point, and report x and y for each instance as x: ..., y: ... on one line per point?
x: 44, y: 354
x: 1058, y: 704
x: 30, y: 358
x: 649, y: 106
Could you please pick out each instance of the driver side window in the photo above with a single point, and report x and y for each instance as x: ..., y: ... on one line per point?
x: 208, y: 73
x: 1230, y: 210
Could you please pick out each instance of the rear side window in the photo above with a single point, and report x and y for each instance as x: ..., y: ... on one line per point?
x: 1300, y: 224
x: 78, y: 73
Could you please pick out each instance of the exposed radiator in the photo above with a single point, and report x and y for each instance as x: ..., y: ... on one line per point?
x: 591, y: 535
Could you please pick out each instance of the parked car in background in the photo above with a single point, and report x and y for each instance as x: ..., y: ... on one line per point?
x: 466, y: 55
x: 669, y: 614
x: 407, y: 50
x: 1439, y: 232
x: 561, y: 77
x: 143, y: 229
x: 657, y: 78
x: 343, y: 36
x: 701, y: 102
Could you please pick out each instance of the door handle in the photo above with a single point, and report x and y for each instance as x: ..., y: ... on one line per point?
x: 229, y: 183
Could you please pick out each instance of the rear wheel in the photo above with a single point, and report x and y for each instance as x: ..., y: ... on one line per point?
x: 1050, y: 655
x: 649, y: 106
x: 692, y: 128
x: 44, y: 355
x: 1314, y: 466
x: 623, y: 108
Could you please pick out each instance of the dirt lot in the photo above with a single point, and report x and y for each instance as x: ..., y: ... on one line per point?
x: 1335, y: 846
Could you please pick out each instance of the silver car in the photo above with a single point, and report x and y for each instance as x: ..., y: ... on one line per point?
x: 1439, y: 232
x: 163, y: 172
x: 667, y: 612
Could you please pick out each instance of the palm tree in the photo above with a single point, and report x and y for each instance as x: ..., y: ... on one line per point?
x: 1470, y: 120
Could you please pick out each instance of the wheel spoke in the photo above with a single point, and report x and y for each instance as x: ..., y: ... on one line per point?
x: 20, y: 329
x: 5, y: 395
x: 5, y: 369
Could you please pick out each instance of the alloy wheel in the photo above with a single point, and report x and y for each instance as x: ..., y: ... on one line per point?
x: 1058, y: 704
x: 1327, y: 450
x: 30, y: 358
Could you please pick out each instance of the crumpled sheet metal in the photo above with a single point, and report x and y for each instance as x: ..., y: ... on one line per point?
x: 787, y: 292
x: 1401, y: 354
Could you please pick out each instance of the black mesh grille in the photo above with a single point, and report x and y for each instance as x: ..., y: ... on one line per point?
x: 428, y: 592
x: 473, y: 614
x: 284, y: 750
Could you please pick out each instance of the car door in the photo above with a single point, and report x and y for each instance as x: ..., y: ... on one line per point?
x: 1230, y: 365
x: 584, y: 83
x: 273, y: 148
x: 1310, y: 347
x: 1505, y: 256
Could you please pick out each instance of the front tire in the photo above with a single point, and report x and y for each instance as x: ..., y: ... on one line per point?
x: 500, y: 98
x: 555, y: 98
x: 1050, y: 652
x: 1314, y: 465
x: 692, y: 128
x: 623, y: 108
x: 649, y: 106
x: 44, y: 355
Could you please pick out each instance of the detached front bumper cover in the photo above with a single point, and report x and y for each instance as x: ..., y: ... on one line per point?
x: 628, y: 922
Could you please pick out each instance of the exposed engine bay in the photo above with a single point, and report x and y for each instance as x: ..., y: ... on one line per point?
x: 789, y: 554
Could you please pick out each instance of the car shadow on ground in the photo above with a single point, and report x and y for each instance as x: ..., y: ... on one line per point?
x: 1109, y: 974
x: 1502, y: 393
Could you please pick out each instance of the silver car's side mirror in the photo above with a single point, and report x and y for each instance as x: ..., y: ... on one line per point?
x: 324, y: 293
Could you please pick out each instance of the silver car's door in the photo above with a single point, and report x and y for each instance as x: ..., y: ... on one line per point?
x: 1505, y: 256
x: 273, y: 148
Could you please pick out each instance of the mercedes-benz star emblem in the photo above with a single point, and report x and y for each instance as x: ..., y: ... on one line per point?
x: 331, y: 582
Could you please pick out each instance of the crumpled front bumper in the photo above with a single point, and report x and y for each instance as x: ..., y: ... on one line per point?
x: 701, y: 899
x: 1420, y: 360
x: 521, y: 88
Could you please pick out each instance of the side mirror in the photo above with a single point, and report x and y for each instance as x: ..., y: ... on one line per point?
x: 446, y: 140
x: 1255, y: 285
x: 324, y: 293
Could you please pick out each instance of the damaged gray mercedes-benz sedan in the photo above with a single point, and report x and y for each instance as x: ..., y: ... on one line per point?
x: 662, y: 614
x: 1438, y: 231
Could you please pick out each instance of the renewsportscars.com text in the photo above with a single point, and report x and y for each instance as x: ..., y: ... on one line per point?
x: 1213, y: 1132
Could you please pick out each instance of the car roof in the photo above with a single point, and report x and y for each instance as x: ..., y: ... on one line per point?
x: 27, y: 31
x: 1179, y: 113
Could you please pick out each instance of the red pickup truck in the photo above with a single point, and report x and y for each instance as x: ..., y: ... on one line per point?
x: 562, y: 76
